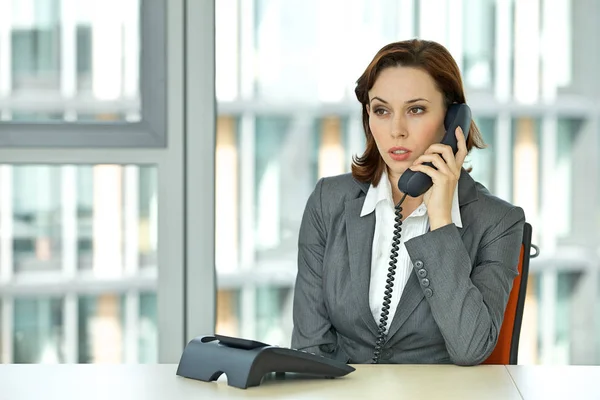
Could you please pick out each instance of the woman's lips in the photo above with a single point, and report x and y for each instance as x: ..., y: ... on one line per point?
x: 399, y: 153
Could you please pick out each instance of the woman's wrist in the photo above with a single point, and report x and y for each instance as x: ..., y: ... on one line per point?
x: 435, y: 223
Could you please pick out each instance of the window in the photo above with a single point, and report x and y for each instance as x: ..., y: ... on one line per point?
x: 89, y: 184
x: 78, y: 262
x: 80, y: 64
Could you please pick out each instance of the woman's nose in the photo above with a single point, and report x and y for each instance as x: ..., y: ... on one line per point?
x: 398, y: 128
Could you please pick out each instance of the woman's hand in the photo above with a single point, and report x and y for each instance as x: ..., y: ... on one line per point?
x: 438, y: 198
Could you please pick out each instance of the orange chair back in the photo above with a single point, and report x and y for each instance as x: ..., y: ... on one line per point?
x: 507, y: 348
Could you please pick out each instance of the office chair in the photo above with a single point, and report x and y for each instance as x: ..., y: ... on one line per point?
x: 506, y: 351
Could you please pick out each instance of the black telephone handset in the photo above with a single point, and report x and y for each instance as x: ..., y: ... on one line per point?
x: 414, y: 184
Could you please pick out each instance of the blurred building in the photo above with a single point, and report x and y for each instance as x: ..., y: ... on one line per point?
x: 78, y: 242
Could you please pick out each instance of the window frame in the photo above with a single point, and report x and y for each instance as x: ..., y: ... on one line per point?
x: 186, y: 283
x: 150, y: 131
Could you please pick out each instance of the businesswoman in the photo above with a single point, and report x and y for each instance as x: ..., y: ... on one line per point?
x: 459, y: 245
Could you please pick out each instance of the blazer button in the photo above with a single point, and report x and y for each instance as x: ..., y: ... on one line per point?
x: 422, y: 273
x: 428, y: 292
x: 425, y: 282
x: 418, y: 264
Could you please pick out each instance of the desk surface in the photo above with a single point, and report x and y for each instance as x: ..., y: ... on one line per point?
x: 115, y: 382
x: 556, y: 382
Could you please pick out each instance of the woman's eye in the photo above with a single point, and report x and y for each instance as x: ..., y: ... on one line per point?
x: 416, y: 110
x: 380, y: 111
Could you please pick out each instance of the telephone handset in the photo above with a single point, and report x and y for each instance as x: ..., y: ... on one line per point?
x: 414, y: 184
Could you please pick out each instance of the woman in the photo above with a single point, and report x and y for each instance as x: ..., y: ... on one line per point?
x: 459, y: 245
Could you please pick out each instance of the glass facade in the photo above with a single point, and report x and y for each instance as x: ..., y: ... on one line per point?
x: 65, y: 60
x: 38, y: 330
x: 78, y: 243
x: 78, y: 261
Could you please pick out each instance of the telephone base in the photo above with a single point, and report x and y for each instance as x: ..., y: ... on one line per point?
x: 246, y: 362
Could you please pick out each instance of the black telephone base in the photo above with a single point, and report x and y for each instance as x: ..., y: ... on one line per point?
x: 246, y: 362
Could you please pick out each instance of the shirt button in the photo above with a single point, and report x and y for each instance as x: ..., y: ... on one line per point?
x: 418, y: 264
x: 428, y: 292
x: 425, y: 282
x: 422, y: 273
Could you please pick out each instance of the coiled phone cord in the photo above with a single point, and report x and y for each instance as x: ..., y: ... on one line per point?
x: 389, y: 283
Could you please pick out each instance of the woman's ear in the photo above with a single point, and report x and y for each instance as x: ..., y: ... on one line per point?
x: 368, y: 108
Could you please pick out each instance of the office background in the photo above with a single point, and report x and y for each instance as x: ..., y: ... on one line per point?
x: 115, y: 206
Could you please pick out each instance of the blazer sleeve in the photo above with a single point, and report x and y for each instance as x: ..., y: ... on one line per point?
x: 312, y: 329
x: 468, y: 303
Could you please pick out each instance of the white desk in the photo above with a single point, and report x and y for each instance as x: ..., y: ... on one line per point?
x: 431, y: 382
x: 148, y: 382
x: 556, y: 382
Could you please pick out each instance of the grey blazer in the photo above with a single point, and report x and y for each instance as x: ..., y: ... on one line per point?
x: 452, y: 306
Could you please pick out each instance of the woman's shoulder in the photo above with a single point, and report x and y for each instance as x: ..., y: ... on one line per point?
x: 337, y: 189
x: 489, y: 199
x: 490, y: 207
x: 343, y: 185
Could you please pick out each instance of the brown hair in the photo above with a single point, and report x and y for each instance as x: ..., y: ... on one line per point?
x: 429, y: 56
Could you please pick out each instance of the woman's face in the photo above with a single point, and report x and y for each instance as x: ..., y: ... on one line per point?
x: 406, y: 115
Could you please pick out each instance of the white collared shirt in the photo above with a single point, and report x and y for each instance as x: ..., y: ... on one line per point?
x: 379, y: 199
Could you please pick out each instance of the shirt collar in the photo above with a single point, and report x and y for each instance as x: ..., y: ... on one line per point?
x: 383, y: 192
x: 377, y: 194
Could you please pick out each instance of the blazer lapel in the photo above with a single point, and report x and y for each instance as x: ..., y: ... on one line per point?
x: 360, y: 232
x: 410, y: 299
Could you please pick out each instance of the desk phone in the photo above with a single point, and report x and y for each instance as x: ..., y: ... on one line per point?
x: 246, y: 362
